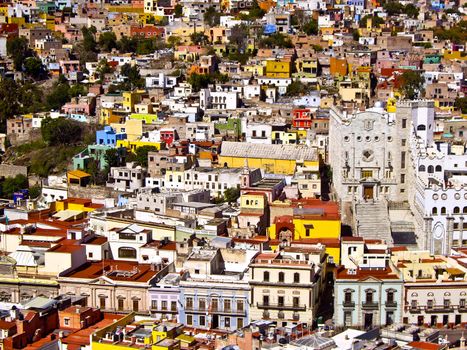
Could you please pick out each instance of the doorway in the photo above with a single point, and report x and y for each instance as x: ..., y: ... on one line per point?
x: 434, y: 319
x: 215, y: 321
x: 368, y: 192
x: 420, y: 320
x: 368, y: 321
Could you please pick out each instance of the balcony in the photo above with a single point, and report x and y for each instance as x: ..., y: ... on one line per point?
x: 370, y: 305
x: 414, y: 309
x: 294, y: 307
x: 163, y: 311
x: 438, y: 309
x: 391, y: 304
x: 215, y: 310
x: 348, y: 304
x: 462, y: 308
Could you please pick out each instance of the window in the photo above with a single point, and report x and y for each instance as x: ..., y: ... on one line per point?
x: 281, y: 277
x: 66, y: 321
x: 296, y: 277
x: 404, y: 123
x: 348, y: 297
x: 202, y: 304
x: 429, y: 304
x: 367, y: 173
x: 390, y: 296
x: 456, y: 210
x: 265, y: 300
x: 402, y: 178
x: 462, y: 303
x: 189, y: 319
x: 154, y: 304
x: 389, y: 317
x: 280, y: 301
x: 127, y: 253
x: 421, y: 168
x: 438, y: 168
x: 189, y: 303
x: 214, y: 304
x: 202, y: 321
x: 164, y: 305
x: 431, y: 170
x: 266, y: 276
x: 443, y: 210
x: 434, y: 211
x: 239, y: 322
x: 173, y: 305
x: 403, y: 160
x: 369, y: 297
x: 347, y: 318
x: 227, y: 322
x: 446, y: 303
x: 227, y: 305
x: 296, y: 301
x: 102, y: 302
x: 135, y: 305
x: 240, y: 307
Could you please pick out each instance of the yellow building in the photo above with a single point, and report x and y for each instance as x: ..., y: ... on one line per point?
x: 255, y: 69
x: 108, y: 116
x: 133, y: 128
x: 306, y: 221
x: 253, y: 201
x: 132, y: 146
x: 276, y: 159
x: 144, y: 334
x: 278, y: 69
x: 130, y: 99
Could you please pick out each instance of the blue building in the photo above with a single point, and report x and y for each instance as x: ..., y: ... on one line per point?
x: 368, y: 288
x: 210, y: 298
x: 108, y: 136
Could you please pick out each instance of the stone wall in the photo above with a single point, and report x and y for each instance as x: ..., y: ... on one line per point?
x: 8, y: 170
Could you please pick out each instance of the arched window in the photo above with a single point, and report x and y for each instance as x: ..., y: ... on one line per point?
x: 431, y: 170
x: 421, y: 168
x: 464, y: 210
x: 296, y: 277
x: 438, y: 168
x: 266, y: 276
x: 434, y: 211
x: 281, y: 277
x: 443, y: 210
x: 421, y: 127
x: 127, y: 253
x: 456, y: 210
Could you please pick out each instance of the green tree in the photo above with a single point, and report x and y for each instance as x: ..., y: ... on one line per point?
x: 13, y: 184
x: 276, y: 40
x: 393, y: 8
x: 199, y: 38
x: 178, y: 11
x: 174, y: 41
x: 311, y: 27
x: 411, y: 10
x: 61, y: 131
x: 107, y: 41
x: 9, y: 103
x: 35, y: 191
x: 134, y: 79
x: 231, y: 194
x: 239, y: 36
x: 212, y: 17
x: 103, y: 68
x: 77, y: 90
x: 141, y: 155
x: 461, y: 104
x: 34, y: 68
x: 18, y: 49
x: 254, y: 13
x: 297, y: 88
x: 412, y: 84
x: 126, y: 44
x: 112, y: 158
x: 375, y: 23
x: 58, y: 96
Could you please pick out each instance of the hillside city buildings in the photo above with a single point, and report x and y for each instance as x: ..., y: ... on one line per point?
x: 233, y: 174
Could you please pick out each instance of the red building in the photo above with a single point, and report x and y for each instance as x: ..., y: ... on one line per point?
x: 147, y: 31
x: 302, y: 118
x: 168, y: 136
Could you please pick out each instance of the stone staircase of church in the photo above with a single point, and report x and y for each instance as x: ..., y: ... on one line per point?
x: 372, y: 220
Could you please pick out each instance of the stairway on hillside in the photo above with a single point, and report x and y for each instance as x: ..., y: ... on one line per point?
x: 372, y: 220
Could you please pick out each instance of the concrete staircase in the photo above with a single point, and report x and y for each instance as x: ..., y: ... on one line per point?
x: 372, y: 220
